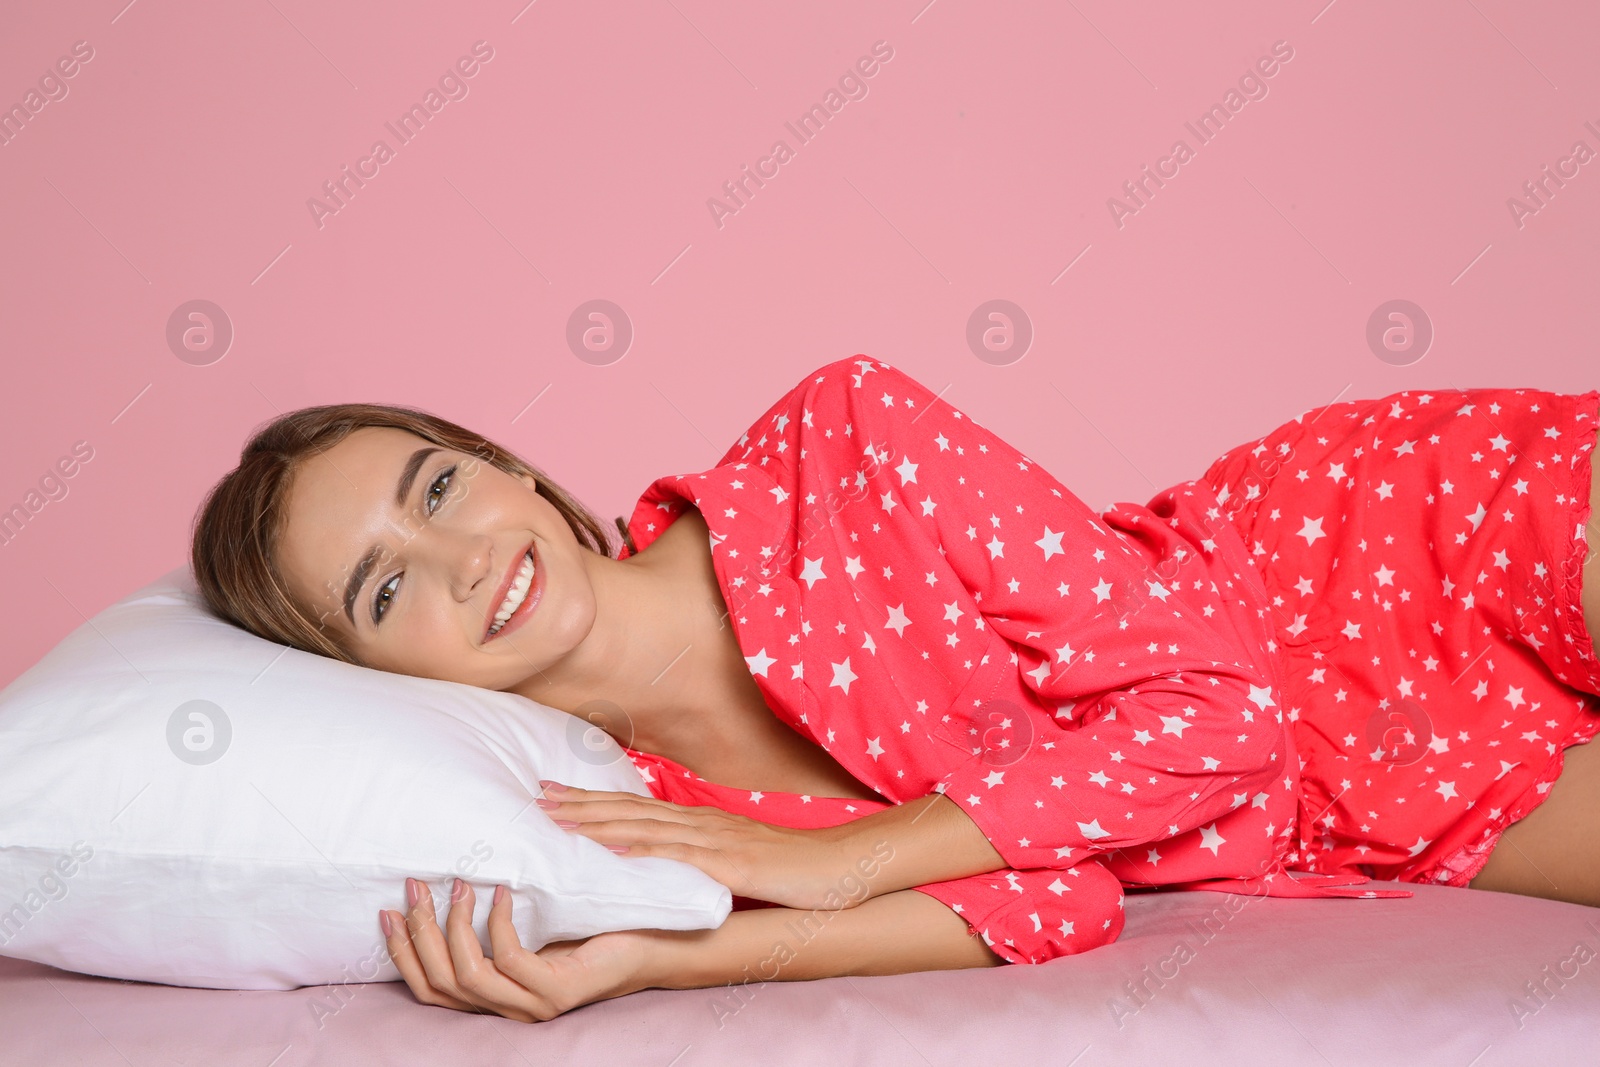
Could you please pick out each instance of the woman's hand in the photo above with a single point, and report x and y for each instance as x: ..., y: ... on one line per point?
x: 803, y: 869
x: 449, y: 969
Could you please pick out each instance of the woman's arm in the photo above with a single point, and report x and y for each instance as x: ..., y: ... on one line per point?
x: 929, y: 843
x: 932, y: 839
x: 890, y: 934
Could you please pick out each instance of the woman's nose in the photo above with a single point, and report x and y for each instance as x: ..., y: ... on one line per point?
x: 464, y: 559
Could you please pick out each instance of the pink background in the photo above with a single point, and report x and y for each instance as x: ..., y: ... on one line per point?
x: 978, y: 166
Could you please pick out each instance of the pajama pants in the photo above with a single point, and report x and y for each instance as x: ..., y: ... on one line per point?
x: 1423, y: 553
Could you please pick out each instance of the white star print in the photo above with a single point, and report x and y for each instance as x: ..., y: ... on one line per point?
x: 812, y: 573
x: 842, y: 675
x: 1092, y: 830
x: 759, y: 663
x: 1312, y: 530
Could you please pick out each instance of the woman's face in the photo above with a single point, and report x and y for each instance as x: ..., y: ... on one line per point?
x: 439, y: 561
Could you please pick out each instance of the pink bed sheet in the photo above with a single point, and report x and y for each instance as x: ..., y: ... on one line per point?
x: 1455, y: 977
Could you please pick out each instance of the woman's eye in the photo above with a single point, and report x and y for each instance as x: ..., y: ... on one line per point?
x: 379, y: 603
x: 441, y: 486
x: 445, y: 476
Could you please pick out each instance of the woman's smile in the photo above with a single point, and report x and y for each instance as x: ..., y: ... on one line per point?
x: 520, y: 594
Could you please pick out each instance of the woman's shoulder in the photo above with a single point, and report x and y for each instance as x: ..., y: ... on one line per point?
x: 853, y: 372
x: 790, y: 407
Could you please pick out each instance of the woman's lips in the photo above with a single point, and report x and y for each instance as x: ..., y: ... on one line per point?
x: 529, y: 602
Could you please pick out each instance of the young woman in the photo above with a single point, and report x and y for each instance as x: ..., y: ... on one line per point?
x: 920, y: 708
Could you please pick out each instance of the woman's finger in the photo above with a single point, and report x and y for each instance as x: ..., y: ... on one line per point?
x: 404, y: 955
x: 640, y: 831
x: 570, y: 793
x: 713, y: 862
x: 587, y: 811
x: 429, y: 942
x: 479, y: 978
x: 528, y: 969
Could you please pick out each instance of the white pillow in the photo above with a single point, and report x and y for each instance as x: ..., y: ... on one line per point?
x: 183, y: 802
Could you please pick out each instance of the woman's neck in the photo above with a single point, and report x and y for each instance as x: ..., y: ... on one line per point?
x: 661, y: 668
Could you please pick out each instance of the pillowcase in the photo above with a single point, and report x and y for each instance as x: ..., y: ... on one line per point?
x: 183, y: 802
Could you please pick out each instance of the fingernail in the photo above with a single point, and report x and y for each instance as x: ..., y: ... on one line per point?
x: 456, y: 891
x: 564, y: 823
x: 499, y: 893
x: 551, y: 785
x: 383, y: 921
x: 618, y: 848
x: 411, y: 891
x: 547, y: 804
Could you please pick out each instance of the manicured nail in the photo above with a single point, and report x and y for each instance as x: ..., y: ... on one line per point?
x: 618, y: 848
x: 457, y: 891
x: 499, y: 893
x: 383, y: 921
x: 565, y: 824
x: 411, y: 891
x: 551, y: 785
x: 547, y: 804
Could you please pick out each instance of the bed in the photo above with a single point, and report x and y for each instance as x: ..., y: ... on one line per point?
x: 1457, y: 977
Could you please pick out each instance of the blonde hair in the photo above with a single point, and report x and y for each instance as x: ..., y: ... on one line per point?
x: 238, y: 527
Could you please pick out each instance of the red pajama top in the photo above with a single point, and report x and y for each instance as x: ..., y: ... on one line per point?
x: 1101, y: 694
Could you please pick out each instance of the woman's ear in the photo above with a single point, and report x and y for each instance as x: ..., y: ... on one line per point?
x: 527, y: 480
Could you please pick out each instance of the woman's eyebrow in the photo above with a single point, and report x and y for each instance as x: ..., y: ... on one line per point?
x: 402, y: 492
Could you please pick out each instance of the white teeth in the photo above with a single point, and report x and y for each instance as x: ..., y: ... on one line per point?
x: 514, y: 597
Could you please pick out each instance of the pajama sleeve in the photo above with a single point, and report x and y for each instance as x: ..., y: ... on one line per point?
x: 1164, y: 707
x: 1032, y: 916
